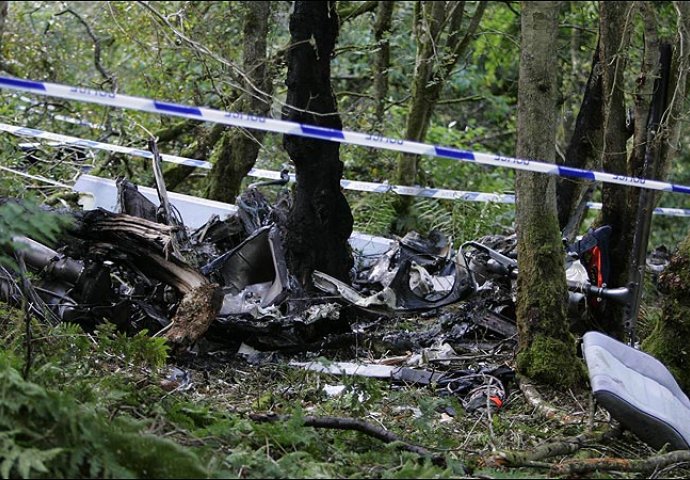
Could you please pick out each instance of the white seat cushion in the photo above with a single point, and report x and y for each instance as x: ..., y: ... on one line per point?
x: 638, y: 391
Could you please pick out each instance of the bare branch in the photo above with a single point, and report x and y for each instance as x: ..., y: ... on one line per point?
x: 109, y: 77
x: 344, y: 423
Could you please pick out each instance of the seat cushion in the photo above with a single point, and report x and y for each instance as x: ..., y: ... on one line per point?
x: 638, y: 391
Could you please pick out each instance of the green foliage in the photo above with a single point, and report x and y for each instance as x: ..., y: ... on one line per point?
x: 47, y: 432
x: 27, y: 219
x: 137, y: 349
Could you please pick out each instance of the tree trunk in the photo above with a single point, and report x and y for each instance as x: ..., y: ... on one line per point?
x: 382, y: 29
x: 546, y: 348
x: 668, y: 341
x: 584, y: 151
x: 235, y: 154
x: 3, y: 16
x: 320, y: 222
x: 200, y: 149
x: 615, y: 25
x: 434, y: 63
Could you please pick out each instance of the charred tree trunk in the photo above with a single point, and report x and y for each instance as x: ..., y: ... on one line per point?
x: 584, y: 151
x: 235, y: 154
x: 546, y: 348
x: 320, y: 222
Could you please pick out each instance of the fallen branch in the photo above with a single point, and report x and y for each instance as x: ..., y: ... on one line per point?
x: 577, y: 467
x: 145, y: 245
x: 344, y: 423
x: 542, y: 407
x: 553, y: 449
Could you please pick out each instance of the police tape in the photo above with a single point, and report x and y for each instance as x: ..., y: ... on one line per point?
x: 357, y: 185
x: 100, y: 97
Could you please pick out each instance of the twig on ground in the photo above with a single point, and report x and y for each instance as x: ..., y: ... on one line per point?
x: 344, y: 423
x: 556, y: 448
x: 572, y: 467
x: 541, y: 406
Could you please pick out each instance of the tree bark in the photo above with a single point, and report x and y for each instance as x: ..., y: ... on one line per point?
x: 614, y: 27
x: 235, y: 154
x: 434, y: 63
x: 3, y: 17
x: 584, y: 151
x: 546, y: 348
x: 382, y: 29
x: 320, y: 222
x: 668, y: 340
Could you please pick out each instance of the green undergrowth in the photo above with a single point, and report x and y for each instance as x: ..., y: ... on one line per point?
x: 102, y: 406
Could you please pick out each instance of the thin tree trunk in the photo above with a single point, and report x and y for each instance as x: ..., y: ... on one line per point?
x: 584, y: 150
x: 382, y: 29
x: 320, y: 222
x: 236, y: 152
x: 3, y: 17
x: 546, y: 348
x: 434, y: 63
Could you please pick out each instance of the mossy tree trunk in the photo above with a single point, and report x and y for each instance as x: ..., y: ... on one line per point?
x: 668, y: 341
x: 436, y: 58
x: 546, y: 348
x: 320, y: 222
x: 236, y: 151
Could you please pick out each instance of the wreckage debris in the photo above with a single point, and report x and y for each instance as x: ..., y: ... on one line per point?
x: 228, y: 280
x: 478, y: 389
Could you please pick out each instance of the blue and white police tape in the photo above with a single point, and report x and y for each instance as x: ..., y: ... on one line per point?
x: 343, y: 136
x: 347, y: 184
x: 371, y: 187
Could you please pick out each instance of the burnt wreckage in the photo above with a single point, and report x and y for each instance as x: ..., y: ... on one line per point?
x: 227, y: 280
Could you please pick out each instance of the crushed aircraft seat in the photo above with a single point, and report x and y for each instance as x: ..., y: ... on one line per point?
x: 638, y: 391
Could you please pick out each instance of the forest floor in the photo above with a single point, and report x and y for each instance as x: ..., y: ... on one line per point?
x: 256, y: 416
x: 538, y: 432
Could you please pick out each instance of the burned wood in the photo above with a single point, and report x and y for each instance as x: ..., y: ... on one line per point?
x: 145, y: 245
x: 195, y: 313
x: 497, y: 323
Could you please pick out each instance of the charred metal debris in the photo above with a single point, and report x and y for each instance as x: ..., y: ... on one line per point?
x: 226, y: 282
